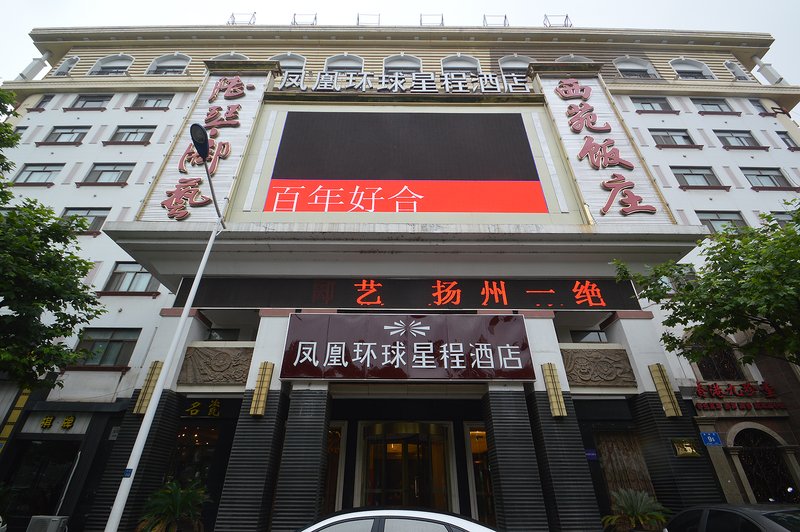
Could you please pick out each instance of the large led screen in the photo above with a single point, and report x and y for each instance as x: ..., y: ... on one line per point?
x: 405, y: 162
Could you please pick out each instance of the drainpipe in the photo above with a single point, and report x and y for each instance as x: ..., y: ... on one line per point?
x: 32, y: 70
x: 769, y: 73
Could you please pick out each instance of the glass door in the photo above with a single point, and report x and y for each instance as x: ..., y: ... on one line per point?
x: 406, y: 465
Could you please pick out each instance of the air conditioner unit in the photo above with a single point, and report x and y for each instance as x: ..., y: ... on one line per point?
x: 48, y: 523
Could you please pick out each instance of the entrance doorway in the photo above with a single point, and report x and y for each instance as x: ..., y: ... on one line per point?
x: 405, y: 464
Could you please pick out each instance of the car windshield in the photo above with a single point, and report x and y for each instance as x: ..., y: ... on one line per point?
x: 789, y: 519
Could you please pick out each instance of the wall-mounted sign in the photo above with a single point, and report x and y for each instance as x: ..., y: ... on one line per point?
x: 610, y: 174
x: 227, y: 107
x: 711, y: 439
x: 396, y: 83
x: 406, y: 347
x: 405, y: 162
x: 431, y: 293
x: 209, y: 407
x: 739, y: 399
x: 56, y: 423
x: 686, y: 447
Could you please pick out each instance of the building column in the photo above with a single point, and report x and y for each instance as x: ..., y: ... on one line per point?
x: 566, y: 480
x: 152, y: 467
x: 518, y: 498
x: 301, y: 477
x: 716, y: 453
x: 743, y: 480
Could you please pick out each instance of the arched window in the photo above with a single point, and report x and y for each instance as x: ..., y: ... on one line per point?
x: 230, y: 56
x: 405, y: 64
x: 66, y: 66
x: 765, y: 467
x: 172, y: 64
x: 738, y: 72
x: 634, y: 67
x: 691, y: 69
x: 721, y: 365
x: 112, y: 65
x: 572, y: 58
x: 460, y: 63
x: 515, y: 64
x: 290, y: 62
x: 344, y: 63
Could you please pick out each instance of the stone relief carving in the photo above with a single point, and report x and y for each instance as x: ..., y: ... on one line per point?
x: 598, y: 367
x: 215, y: 365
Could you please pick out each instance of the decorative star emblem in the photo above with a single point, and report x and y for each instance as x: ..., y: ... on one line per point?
x: 415, y: 328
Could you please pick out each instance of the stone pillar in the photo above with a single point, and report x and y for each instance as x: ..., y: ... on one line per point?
x: 519, y: 501
x: 301, y: 477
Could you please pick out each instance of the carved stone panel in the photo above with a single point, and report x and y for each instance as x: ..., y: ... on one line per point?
x: 215, y: 365
x: 598, y: 367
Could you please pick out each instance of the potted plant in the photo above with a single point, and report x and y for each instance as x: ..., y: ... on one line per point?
x: 174, y: 508
x: 634, y: 508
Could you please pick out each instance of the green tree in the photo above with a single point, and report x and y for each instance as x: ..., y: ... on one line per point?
x: 745, y: 295
x: 43, y: 299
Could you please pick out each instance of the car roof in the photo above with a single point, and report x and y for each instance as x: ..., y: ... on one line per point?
x: 455, y: 519
x: 747, y: 508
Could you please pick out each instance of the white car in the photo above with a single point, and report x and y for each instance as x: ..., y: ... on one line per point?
x: 393, y: 520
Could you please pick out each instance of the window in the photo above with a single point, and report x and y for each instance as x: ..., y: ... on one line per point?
x: 230, y: 56
x: 65, y: 135
x: 223, y: 335
x: 399, y: 524
x: 595, y: 337
x: 91, y: 101
x: 788, y: 140
x: 401, y: 64
x: 650, y: 103
x: 782, y: 217
x: 460, y: 64
x: 42, y: 103
x: 344, y: 63
x: 515, y: 64
x: 290, y: 62
x: 130, y: 277
x: 633, y: 67
x: 766, y: 177
x: 737, y: 139
x: 66, y: 66
x: 113, y: 65
x: 738, y: 72
x: 95, y: 218
x: 699, y: 176
x: 712, y: 105
x: 108, y: 347
x: 759, y: 107
x: 132, y: 135
x: 724, y: 521
x: 719, y: 220
x: 353, y: 525
x: 572, y: 58
x: 167, y: 65
x: 109, y: 173
x: 38, y: 173
x: 671, y: 137
x: 720, y: 366
x: 152, y: 101
x: 691, y: 69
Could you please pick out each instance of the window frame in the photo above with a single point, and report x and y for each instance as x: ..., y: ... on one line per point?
x: 640, y: 66
x: 96, y: 221
x: 54, y: 137
x: 42, y: 168
x: 787, y: 139
x: 66, y: 66
x: 708, y: 221
x: 744, y: 140
x: 666, y: 138
x: 711, y: 181
x: 80, y: 102
x: 648, y: 104
x: 143, y: 97
x: 716, y: 106
x: 126, y: 346
x: 121, y: 280
x: 460, y: 63
x: 766, y: 178
x: 349, y: 63
x: 93, y: 178
x: 111, y: 65
x: 40, y: 104
x: 141, y: 134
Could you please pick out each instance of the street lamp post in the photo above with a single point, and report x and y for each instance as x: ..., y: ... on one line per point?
x: 201, y: 146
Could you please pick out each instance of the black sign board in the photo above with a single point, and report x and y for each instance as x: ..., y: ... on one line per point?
x: 376, y: 293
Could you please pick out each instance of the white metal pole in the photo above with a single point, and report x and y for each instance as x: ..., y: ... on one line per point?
x: 138, y: 447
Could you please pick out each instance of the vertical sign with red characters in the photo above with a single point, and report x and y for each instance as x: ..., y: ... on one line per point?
x: 227, y: 108
x: 610, y: 175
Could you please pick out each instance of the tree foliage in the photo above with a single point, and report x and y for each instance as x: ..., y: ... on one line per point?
x: 42, y: 295
x: 745, y: 295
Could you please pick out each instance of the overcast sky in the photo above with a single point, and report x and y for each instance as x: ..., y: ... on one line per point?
x: 777, y: 17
